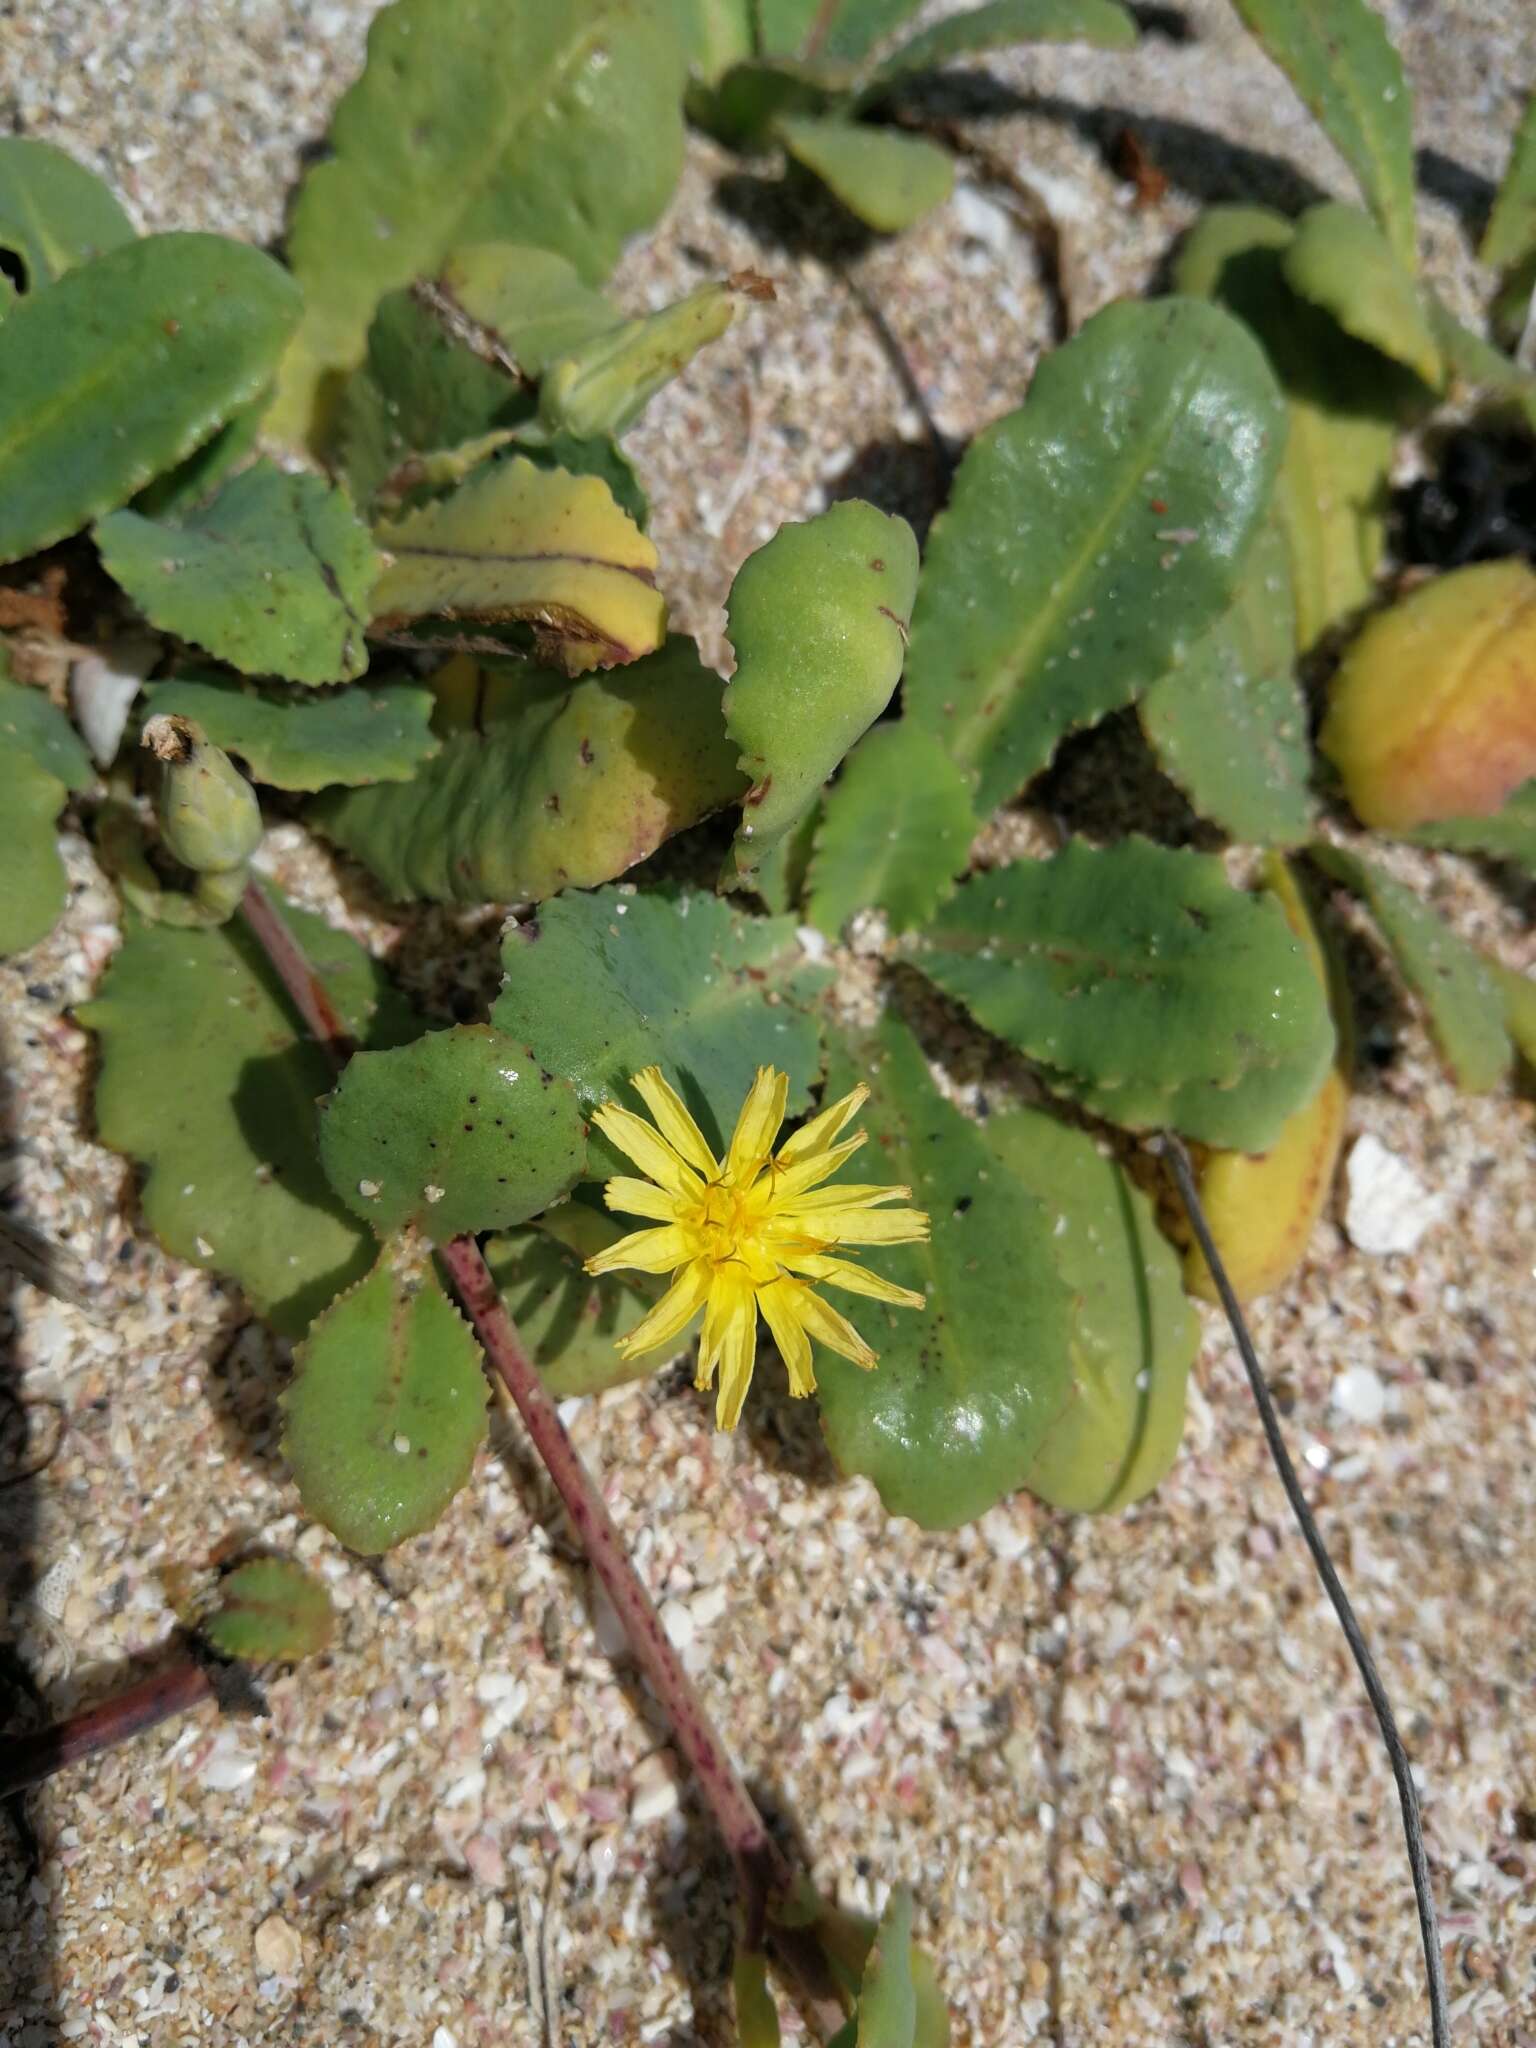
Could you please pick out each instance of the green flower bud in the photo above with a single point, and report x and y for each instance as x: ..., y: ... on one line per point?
x: 605, y: 385
x: 209, y: 818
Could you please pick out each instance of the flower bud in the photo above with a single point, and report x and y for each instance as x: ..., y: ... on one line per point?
x: 604, y: 386
x: 209, y: 818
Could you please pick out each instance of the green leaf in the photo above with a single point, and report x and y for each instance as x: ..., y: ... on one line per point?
x: 1004, y: 22
x: 818, y: 619
x: 781, y: 873
x: 1340, y: 260
x: 208, y: 1081
x: 531, y: 305
x: 122, y: 368
x: 570, y: 1322
x: 744, y: 108
x: 54, y: 214
x: 273, y: 577
x: 560, y: 785
x: 1343, y: 402
x: 271, y: 1611
x: 559, y: 126
x: 1510, y: 237
x: 550, y: 552
x: 853, y: 27
x: 952, y: 1418
x: 1229, y: 723
x: 1338, y: 56
x: 198, y: 475
x: 783, y: 25
x: 1150, y: 989
x: 716, y: 34
x: 1476, y: 365
x: 889, y: 180
x: 896, y: 832
x: 603, y: 386
x: 458, y: 1131
x: 605, y: 984
x: 887, y: 1997
x: 1135, y: 1334
x: 1510, y: 834
x: 387, y: 1406
x: 351, y: 737
x: 1091, y: 536
x: 1461, y: 999
x: 33, y: 886
x: 32, y: 724
x: 1518, y: 995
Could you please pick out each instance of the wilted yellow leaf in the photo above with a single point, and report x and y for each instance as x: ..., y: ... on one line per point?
x: 1433, y: 710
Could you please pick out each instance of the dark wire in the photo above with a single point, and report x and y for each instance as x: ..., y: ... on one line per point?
x: 1434, y: 1969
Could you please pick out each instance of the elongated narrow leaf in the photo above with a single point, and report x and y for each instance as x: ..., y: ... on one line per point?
x: 1341, y: 61
x: 1473, y: 364
x: 1518, y: 993
x: 1461, y: 999
x: 1510, y: 834
x: 818, y: 619
x: 967, y: 1389
x: 1004, y: 22
x: 1148, y: 987
x: 603, y: 985
x: 270, y: 1609
x: 387, y: 1406
x: 349, y: 737
x: 896, y: 832
x: 1092, y: 536
x: 1432, y: 712
x: 1228, y: 723
x: 1510, y: 237
x: 208, y: 1081
x: 122, y: 368
x: 536, y: 548
x: 555, y: 125
x: 273, y: 577
x: 889, y: 180
x: 54, y: 214
x: 757, y: 2017
x: 558, y: 785
x: 1340, y: 260
x: 888, y: 1997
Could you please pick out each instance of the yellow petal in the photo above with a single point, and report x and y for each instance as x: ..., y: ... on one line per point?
x: 780, y: 1305
x: 790, y: 1182
x: 855, y: 1279
x: 852, y: 1226
x: 639, y: 1198
x: 738, y: 1351
x: 844, y: 1194
x: 649, y: 1150
x: 729, y: 1293
x: 673, y: 1120
x: 825, y: 1324
x: 758, y: 1125
x: 647, y: 1251
x: 821, y: 1130
x: 671, y: 1315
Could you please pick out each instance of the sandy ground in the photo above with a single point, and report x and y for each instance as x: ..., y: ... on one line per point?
x: 1125, y: 1764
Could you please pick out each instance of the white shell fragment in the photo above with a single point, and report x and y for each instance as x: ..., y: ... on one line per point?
x: 1387, y: 1208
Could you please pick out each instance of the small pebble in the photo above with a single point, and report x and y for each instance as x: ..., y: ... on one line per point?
x: 1388, y: 1209
x: 1360, y: 1393
x: 652, y: 1789
x: 279, y: 1948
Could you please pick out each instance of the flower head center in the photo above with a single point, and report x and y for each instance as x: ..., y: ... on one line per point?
x: 726, y: 1224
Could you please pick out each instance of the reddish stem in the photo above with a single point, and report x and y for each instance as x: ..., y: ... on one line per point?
x: 28, y: 1759
x: 311, y: 998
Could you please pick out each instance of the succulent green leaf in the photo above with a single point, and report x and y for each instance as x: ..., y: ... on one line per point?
x: 784, y: 25
x: 889, y: 180
x: 818, y: 619
x: 782, y: 871
x: 32, y: 724
x: 54, y: 214
x: 888, y: 1997
x: 530, y: 305
x: 387, y: 1406
x: 605, y: 984
x: 514, y: 544
x: 757, y: 2017
x: 349, y: 737
x: 1150, y: 989
x: 967, y: 1389
x: 1092, y: 535
x: 559, y: 126
x: 1510, y: 236
x: 1004, y: 22
x: 1518, y: 995
x: 1339, y: 57
x: 1228, y: 722
x: 198, y: 475
x: 846, y: 32
x: 603, y: 386
x: 1510, y: 834
x: 560, y: 786
x: 32, y: 880
x: 570, y: 1322
x: 1343, y: 401
x: 208, y: 1081
x: 1475, y: 364
x: 1461, y: 999
x: 1135, y: 1334
x: 459, y: 1131
x: 272, y: 577
x: 1340, y: 260
x: 750, y: 99
x: 896, y: 832
x: 270, y: 1611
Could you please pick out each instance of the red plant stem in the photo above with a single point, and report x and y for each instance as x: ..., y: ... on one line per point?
x: 310, y: 996
x: 28, y: 1759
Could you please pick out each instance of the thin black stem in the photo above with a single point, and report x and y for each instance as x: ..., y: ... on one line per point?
x: 1434, y: 1968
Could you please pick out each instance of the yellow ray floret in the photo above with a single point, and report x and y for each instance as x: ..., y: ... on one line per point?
x: 750, y: 1232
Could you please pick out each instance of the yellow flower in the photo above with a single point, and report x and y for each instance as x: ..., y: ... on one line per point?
x: 748, y: 1232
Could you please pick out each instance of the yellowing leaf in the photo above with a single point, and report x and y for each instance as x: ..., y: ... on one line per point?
x: 532, y: 547
x: 1433, y: 709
